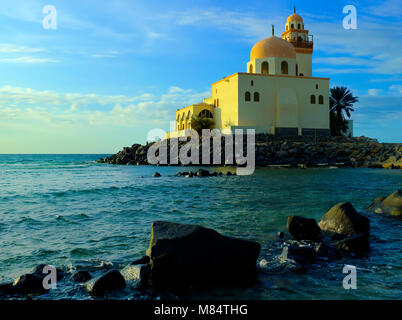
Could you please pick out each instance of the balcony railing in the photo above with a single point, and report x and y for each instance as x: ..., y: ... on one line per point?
x: 302, y: 43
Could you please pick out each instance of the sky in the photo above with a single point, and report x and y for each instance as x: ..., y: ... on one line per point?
x: 112, y: 70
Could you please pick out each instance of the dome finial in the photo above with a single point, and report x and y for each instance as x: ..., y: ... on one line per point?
x: 273, y: 29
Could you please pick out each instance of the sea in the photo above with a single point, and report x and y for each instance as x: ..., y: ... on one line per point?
x: 74, y: 213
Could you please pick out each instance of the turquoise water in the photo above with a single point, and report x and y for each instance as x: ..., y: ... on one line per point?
x: 69, y: 211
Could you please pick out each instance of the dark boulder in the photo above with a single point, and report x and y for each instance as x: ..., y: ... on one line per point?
x: 202, y: 173
x: 375, y: 206
x: 391, y: 205
x: 81, y: 276
x: 156, y: 175
x: 357, y: 244
x: 38, y: 270
x: 106, y: 283
x: 29, y: 284
x: 299, y: 254
x: 136, y: 276
x: 6, y: 288
x: 143, y: 260
x: 301, y: 228
x: 343, y: 219
x: 182, y: 254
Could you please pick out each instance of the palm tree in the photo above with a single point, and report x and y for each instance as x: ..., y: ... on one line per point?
x: 341, y: 102
x: 199, y: 123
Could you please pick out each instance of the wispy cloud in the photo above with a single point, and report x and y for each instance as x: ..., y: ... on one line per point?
x: 13, y: 48
x: 28, y: 59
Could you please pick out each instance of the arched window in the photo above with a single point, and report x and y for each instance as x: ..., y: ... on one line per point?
x: 251, y: 69
x: 298, y: 26
x: 256, y: 96
x: 284, y: 67
x: 205, y: 114
x: 214, y: 102
x: 252, y: 82
x: 247, y: 96
x: 312, y: 99
x: 316, y: 86
x: 292, y: 26
x: 265, y: 68
x: 217, y: 102
x: 297, y: 69
x: 321, y: 99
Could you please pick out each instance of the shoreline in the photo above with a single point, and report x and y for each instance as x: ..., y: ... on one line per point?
x: 291, y: 152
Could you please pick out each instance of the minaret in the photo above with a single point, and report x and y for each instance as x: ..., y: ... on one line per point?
x: 302, y: 41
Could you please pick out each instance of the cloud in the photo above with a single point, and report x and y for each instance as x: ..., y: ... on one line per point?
x: 372, y: 48
x: 28, y: 59
x: 389, y: 8
x: 96, y: 110
x: 374, y: 92
x: 13, y: 48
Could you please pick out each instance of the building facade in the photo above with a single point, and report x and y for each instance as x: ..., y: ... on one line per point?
x: 277, y: 94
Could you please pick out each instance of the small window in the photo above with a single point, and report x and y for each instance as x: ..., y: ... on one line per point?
x: 286, y: 27
x: 247, y: 96
x: 252, y: 82
x: 316, y: 86
x: 284, y: 67
x: 312, y: 99
x: 256, y: 96
x: 298, y: 26
x: 217, y: 102
x: 251, y: 68
x: 297, y: 69
x: 301, y: 74
x: 265, y: 68
x: 321, y: 99
x: 292, y: 26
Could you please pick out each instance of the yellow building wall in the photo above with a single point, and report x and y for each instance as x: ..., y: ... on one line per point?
x: 284, y: 102
x: 304, y: 62
x: 225, y: 98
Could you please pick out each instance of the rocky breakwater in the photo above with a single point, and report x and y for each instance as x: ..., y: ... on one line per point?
x: 292, y: 151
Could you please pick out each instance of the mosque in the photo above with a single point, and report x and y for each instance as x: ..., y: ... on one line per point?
x: 277, y: 94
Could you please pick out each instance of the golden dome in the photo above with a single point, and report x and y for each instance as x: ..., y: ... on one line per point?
x: 273, y: 47
x: 294, y: 17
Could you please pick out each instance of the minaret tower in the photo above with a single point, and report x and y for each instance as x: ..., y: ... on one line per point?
x: 302, y: 41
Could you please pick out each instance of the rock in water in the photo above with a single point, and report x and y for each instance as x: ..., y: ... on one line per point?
x: 303, y: 229
x: 29, y: 284
x: 81, y: 276
x: 343, y: 219
x: 301, y: 255
x: 156, y: 175
x: 143, y: 260
x: 358, y: 244
x: 109, y: 282
x: 391, y: 205
x: 182, y: 254
x: 375, y: 206
x: 202, y: 173
x: 6, y: 288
